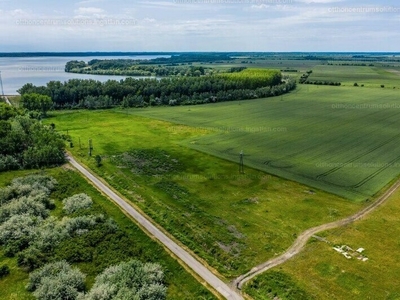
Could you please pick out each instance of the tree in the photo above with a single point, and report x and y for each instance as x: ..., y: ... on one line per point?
x: 34, y: 101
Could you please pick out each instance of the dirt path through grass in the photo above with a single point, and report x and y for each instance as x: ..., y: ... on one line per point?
x: 302, y: 239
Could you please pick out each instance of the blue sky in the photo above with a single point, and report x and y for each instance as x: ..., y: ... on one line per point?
x: 200, y: 25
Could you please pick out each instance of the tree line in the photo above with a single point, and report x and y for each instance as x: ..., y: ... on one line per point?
x: 131, y: 92
x: 26, y: 143
x: 130, y: 67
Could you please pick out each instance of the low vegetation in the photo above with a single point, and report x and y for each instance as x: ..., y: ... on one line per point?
x: 68, y: 246
x: 276, y: 285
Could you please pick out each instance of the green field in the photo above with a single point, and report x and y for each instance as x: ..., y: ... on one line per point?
x: 326, y: 274
x: 136, y: 245
x: 233, y: 221
x: 341, y: 139
x: 348, y: 75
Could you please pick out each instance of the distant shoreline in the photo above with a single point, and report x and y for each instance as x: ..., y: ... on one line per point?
x: 89, y: 54
x: 80, y: 54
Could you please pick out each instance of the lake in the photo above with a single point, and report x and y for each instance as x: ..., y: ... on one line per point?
x: 17, y: 71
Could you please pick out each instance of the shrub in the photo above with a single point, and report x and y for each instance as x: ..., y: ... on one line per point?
x: 50, y: 234
x: 129, y: 280
x: 32, y: 184
x: 18, y: 232
x: 74, y: 226
x: 56, y: 281
x: 32, y: 206
x: 4, y: 271
x: 76, y: 203
x: 31, y: 258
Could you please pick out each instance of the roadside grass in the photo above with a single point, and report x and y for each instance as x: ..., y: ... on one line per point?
x: 130, y: 242
x: 340, y: 139
x: 233, y: 221
x: 326, y: 274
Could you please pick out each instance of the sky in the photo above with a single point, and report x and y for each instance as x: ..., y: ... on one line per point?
x: 200, y: 25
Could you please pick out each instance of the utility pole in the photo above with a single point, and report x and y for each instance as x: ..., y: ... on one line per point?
x: 90, y: 147
x: 1, y: 84
x: 241, y: 165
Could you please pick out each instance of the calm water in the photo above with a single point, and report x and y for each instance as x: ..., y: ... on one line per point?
x: 16, y: 71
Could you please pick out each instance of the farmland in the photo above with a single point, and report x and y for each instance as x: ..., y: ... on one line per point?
x: 326, y: 137
x: 195, y: 196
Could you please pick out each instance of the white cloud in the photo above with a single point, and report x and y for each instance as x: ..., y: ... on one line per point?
x: 260, y: 7
x: 89, y: 2
x: 319, y: 1
x: 89, y: 11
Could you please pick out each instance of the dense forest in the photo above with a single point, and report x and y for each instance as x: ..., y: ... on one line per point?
x: 91, y: 94
x: 129, y: 67
x: 25, y: 142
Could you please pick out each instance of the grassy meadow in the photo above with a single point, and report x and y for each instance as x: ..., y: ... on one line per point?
x: 130, y: 243
x: 233, y: 221
x: 326, y: 274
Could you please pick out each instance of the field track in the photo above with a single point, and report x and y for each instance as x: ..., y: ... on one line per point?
x: 302, y: 239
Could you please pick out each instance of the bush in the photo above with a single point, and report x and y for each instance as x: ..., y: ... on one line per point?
x: 76, y: 203
x: 56, y: 281
x: 4, y: 271
x: 50, y: 234
x: 31, y: 258
x: 78, y: 225
x: 18, y: 232
x: 129, y: 280
x: 32, y: 185
x: 32, y: 206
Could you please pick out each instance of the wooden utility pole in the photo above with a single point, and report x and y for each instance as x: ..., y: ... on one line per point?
x: 241, y: 165
x: 90, y: 147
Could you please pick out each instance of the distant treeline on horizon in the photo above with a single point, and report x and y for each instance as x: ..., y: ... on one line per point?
x: 69, y: 54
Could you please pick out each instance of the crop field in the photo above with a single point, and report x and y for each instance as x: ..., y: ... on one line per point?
x: 327, y: 274
x: 233, y: 221
x: 344, y: 140
x: 130, y: 243
x: 348, y: 75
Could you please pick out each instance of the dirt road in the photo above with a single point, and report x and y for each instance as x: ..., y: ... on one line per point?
x: 302, y: 239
